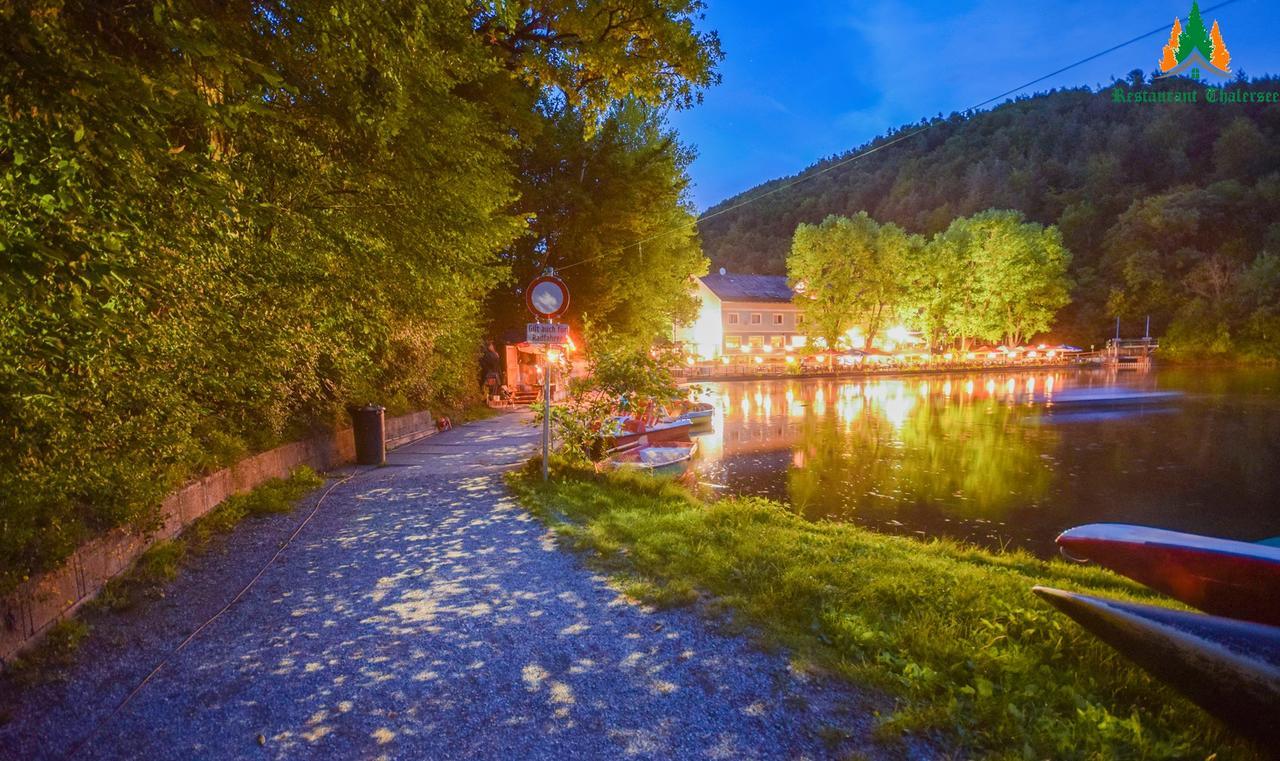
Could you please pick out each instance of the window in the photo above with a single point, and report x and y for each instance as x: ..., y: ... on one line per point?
x: 756, y: 341
x: 777, y: 342
x: 799, y: 341
x: 733, y: 318
x: 732, y: 342
x: 755, y: 318
x: 777, y: 319
x: 799, y: 320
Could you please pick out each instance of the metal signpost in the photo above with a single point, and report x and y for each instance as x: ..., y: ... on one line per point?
x: 547, y: 297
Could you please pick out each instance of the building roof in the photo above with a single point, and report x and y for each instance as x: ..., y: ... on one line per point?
x: 730, y: 287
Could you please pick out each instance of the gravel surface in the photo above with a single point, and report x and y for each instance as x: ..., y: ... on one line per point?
x: 423, y: 614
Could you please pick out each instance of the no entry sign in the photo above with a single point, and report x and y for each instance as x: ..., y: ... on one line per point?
x: 547, y: 296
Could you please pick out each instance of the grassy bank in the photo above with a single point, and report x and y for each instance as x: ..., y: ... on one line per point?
x: 952, y: 632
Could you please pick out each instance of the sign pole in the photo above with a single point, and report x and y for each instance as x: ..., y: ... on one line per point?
x: 546, y: 412
x: 547, y: 296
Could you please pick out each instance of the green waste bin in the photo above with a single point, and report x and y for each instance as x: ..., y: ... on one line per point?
x: 369, y: 425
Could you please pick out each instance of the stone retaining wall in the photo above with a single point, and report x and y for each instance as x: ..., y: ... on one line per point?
x: 27, y: 613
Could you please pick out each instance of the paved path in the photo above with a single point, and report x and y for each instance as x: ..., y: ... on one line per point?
x: 423, y: 614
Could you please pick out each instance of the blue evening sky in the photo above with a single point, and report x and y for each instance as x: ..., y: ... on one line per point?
x: 805, y: 79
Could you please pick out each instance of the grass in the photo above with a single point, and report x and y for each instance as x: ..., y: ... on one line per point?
x: 162, y: 561
x: 155, y: 568
x: 57, y: 650
x: 952, y: 632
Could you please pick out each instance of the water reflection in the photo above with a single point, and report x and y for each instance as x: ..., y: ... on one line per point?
x: 976, y: 456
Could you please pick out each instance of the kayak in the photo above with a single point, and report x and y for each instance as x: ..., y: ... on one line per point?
x: 1229, y: 668
x: 1219, y: 576
x: 669, y: 458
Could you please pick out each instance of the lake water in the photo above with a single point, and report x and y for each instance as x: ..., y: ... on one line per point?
x: 983, y: 458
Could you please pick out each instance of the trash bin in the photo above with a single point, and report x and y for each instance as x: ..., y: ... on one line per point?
x: 369, y: 428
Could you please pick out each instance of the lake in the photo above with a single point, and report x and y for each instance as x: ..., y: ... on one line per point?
x: 982, y: 457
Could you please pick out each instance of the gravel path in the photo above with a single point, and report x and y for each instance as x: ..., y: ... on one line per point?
x: 423, y: 614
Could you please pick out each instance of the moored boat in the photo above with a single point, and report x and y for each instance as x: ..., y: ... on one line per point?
x: 1219, y: 576
x: 674, y: 430
x: 1109, y: 398
x: 699, y: 414
x: 1229, y: 668
x: 669, y: 458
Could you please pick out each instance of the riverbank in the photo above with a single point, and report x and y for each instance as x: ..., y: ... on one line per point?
x: 952, y: 631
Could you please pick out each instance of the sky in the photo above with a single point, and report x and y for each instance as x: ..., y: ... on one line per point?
x: 806, y: 79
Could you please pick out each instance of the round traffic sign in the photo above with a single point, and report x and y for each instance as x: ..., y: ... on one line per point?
x: 547, y: 296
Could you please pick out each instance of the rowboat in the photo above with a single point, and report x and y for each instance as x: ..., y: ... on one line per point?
x: 699, y: 414
x: 674, y: 430
x: 670, y: 458
x: 1219, y: 576
x: 1229, y: 668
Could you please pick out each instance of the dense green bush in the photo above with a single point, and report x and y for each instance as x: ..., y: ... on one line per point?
x: 223, y: 222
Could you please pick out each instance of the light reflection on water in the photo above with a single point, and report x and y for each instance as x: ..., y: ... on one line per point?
x: 977, y: 456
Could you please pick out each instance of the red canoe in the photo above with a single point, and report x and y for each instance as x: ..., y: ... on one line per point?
x: 1220, y: 576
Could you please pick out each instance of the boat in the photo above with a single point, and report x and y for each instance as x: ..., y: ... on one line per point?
x: 1219, y: 576
x: 670, y: 458
x: 1108, y: 398
x: 1229, y: 668
x: 662, y: 431
x: 699, y: 414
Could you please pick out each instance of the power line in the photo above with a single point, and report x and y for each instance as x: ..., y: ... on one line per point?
x: 897, y: 139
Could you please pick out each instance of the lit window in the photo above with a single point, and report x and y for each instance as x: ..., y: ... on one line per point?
x: 756, y: 341
x: 777, y: 342
x: 733, y: 318
x: 777, y: 319
x: 732, y: 342
x: 755, y: 318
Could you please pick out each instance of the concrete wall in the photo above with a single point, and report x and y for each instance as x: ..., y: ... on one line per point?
x: 27, y: 613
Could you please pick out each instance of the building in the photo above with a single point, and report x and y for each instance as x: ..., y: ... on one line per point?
x: 743, y: 315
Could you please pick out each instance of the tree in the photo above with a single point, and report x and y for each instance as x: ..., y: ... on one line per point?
x: 935, y: 275
x: 1195, y: 37
x: 612, y: 210
x: 593, y: 55
x: 1241, y: 150
x: 826, y: 265
x: 1169, y: 55
x: 1017, y: 276
x: 1221, y: 56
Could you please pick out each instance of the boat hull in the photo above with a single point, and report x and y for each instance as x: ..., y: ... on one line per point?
x: 1229, y: 668
x: 1219, y: 576
x: 658, y: 434
x: 673, y: 458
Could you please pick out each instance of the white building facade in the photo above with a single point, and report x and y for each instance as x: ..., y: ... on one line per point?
x: 743, y: 315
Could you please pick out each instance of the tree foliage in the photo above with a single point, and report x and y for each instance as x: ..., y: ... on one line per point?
x: 612, y: 211
x: 225, y: 222
x: 1190, y: 180
x: 991, y: 276
x: 852, y: 272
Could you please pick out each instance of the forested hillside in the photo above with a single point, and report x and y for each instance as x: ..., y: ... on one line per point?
x: 222, y: 223
x: 1168, y: 209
